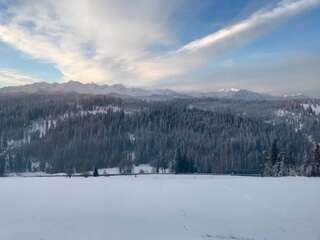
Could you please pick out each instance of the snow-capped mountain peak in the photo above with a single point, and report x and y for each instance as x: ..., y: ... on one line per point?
x: 229, y: 90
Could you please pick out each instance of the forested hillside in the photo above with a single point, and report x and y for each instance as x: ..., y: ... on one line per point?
x: 77, y: 133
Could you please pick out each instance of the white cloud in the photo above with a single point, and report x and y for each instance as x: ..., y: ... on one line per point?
x: 90, y: 40
x: 252, y: 25
x: 108, y: 41
x: 196, y: 53
x: 12, y: 77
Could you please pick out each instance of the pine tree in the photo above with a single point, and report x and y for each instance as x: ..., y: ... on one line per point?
x: 183, y: 164
x: 178, y: 162
x: 274, y: 152
x: 2, y: 165
x: 267, y: 165
x: 316, y: 161
x: 317, y: 153
x: 96, y: 172
x: 284, y: 165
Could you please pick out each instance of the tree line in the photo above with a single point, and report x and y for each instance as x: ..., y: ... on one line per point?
x: 167, y: 135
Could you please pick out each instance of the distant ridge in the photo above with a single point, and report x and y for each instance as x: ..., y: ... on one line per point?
x: 89, y: 88
x: 122, y: 91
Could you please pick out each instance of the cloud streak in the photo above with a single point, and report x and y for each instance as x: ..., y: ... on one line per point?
x: 284, y: 10
x: 196, y: 53
x: 12, y: 77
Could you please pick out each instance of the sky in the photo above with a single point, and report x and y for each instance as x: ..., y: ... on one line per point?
x: 270, y: 46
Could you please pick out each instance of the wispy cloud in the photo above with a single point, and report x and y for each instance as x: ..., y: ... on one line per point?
x: 12, y: 77
x: 251, y: 26
x: 108, y: 41
x: 196, y: 53
x: 70, y: 62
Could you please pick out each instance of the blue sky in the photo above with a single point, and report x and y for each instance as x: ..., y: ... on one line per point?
x: 268, y: 46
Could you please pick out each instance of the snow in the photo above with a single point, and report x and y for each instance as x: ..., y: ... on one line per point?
x: 114, y: 170
x: 284, y: 113
x: 143, y: 168
x: 42, y: 126
x: 34, y: 174
x: 229, y: 90
x: 158, y: 207
x: 101, y: 110
x: 281, y: 113
x: 315, y: 107
x: 293, y: 95
x: 132, y: 137
x: 310, y: 139
x: 138, y: 169
x: 291, y: 118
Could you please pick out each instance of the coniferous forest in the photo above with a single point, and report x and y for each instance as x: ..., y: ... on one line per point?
x: 77, y: 133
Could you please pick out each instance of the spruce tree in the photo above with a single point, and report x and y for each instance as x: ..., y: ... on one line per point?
x: 96, y: 172
x: 316, y: 161
x: 2, y: 165
x: 274, y: 152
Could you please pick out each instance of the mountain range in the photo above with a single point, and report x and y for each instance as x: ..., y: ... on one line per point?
x: 119, y: 90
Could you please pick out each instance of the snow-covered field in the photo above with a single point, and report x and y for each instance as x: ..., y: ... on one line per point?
x: 158, y: 207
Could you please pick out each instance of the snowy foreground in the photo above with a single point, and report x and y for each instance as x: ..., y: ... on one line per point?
x: 157, y: 207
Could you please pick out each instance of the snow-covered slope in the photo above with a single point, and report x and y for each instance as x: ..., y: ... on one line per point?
x: 160, y: 207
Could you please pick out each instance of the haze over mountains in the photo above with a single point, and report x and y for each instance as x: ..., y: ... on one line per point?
x: 122, y: 91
